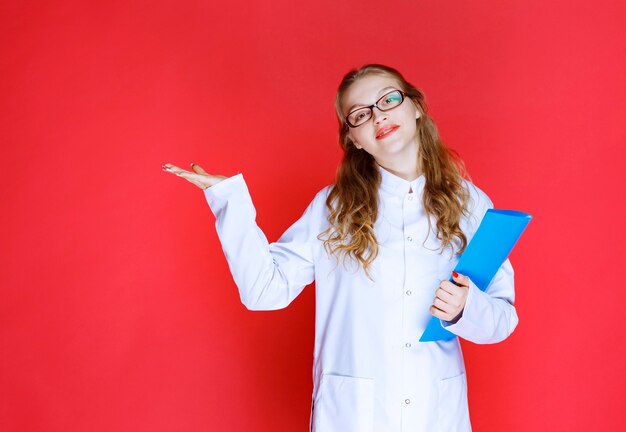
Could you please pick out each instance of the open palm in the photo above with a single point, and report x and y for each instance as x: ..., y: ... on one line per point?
x: 198, y: 176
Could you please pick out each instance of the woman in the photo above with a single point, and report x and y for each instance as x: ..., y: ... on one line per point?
x: 380, y: 244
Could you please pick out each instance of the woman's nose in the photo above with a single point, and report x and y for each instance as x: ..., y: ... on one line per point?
x: 378, y: 115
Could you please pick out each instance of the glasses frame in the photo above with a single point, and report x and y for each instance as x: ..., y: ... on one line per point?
x: 371, y: 107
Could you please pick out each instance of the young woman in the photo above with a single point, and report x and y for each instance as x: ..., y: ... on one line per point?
x: 380, y: 245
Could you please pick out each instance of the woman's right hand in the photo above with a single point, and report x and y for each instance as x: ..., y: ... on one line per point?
x: 199, y: 177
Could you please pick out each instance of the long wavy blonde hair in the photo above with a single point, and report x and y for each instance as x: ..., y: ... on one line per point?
x: 353, y: 199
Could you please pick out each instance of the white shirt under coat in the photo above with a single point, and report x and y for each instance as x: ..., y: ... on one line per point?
x: 370, y: 373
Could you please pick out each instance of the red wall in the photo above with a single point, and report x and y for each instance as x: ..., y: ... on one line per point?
x: 117, y: 309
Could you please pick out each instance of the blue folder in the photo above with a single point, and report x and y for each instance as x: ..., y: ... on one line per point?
x: 496, y: 236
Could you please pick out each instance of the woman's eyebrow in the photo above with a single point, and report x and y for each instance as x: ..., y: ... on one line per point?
x: 380, y: 93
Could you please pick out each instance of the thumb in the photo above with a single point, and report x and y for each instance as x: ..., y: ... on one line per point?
x: 198, y: 169
x: 460, y: 279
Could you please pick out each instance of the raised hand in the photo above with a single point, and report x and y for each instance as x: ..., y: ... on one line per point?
x: 199, y: 177
x: 450, y: 298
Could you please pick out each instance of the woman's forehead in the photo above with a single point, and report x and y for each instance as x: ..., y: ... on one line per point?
x: 367, y: 90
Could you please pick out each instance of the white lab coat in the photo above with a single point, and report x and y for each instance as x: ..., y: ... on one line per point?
x: 370, y: 373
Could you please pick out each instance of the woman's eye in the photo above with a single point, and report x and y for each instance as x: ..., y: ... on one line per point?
x: 391, y: 99
x: 358, y: 116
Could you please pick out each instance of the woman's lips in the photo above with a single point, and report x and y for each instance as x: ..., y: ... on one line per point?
x: 386, y: 131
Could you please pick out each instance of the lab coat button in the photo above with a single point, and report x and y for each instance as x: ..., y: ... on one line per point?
x: 410, y: 197
x: 407, y: 401
x: 408, y: 344
x: 409, y: 238
x: 409, y: 292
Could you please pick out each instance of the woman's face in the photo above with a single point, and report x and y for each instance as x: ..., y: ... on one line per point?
x: 389, y: 136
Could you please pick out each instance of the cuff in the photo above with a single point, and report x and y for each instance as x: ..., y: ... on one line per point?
x: 217, y: 195
x: 466, y: 324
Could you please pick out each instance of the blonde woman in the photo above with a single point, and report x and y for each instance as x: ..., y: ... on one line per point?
x: 380, y: 244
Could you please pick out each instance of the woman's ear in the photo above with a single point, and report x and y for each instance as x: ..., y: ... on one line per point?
x: 356, y: 144
x: 418, y: 114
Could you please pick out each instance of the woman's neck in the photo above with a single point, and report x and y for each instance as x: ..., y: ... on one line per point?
x: 408, y: 172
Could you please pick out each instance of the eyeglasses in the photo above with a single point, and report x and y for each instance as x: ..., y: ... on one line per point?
x: 387, y: 102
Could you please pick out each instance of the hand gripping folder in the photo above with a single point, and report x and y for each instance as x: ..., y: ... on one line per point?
x: 494, y: 239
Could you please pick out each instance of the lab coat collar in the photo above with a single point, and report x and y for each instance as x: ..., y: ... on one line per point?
x: 398, y: 186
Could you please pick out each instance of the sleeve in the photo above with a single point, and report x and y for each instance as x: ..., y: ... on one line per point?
x: 489, y: 316
x: 268, y: 276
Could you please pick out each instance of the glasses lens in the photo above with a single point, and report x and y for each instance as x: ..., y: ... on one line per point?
x: 390, y: 100
x: 360, y: 116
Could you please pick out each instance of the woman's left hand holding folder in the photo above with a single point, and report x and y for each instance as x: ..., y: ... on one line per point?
x: 450, y: 298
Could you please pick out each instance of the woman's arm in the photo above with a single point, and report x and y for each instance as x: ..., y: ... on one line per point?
x: 269, y: 276
x: 489, y: 316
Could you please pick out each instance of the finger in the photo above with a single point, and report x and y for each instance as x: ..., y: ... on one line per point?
x: 192, y: 177
x: 461, y: 279
x: 444, y: 295
x: 439, y: 313
x: 173, y: 169
x: 198, y: 169
x: 434, y: 311
x: 440, y: 304
x: 183, y: 173
x: 169, y: 166
x: 196, y: 179
x: 451, y: 288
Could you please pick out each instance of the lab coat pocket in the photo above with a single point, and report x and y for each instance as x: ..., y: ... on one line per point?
x: 344, y: 404
x: 453, y: 408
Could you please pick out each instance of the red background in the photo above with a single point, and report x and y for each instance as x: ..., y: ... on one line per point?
x: 118, y: 312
